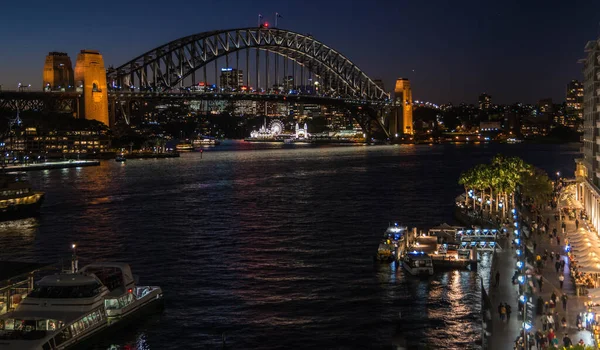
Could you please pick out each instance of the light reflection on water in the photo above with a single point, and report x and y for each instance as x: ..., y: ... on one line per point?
x: 273, y: 247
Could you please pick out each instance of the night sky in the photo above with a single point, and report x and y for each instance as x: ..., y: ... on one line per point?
x: 451, y: 50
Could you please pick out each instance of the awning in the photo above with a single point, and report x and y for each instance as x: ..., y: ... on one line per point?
x: 594, y: 269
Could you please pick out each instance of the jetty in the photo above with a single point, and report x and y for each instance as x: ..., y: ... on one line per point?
x: 50, y: 165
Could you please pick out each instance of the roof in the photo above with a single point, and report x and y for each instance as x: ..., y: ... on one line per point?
x: 12, y: 269
x: 67, y: 279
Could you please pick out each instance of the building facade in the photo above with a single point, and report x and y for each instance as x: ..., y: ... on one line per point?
x: 231, y: 79
x: 485, y: 101
x: 587, y: 172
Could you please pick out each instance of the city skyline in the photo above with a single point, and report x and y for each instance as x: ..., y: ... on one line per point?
x: 437, y: 47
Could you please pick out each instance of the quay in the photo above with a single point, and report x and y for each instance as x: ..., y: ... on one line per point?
x: 51, y: 165
x: 523, y: 294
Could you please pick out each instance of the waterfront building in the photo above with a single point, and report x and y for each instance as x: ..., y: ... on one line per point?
x: 231, y: 79
x: 58, y: 72
x: 53, y: 143
x: 587, y: 173
x: 485, y: 101
x: 402, y: 118
x: 575, y: 98
x: 490, y: 126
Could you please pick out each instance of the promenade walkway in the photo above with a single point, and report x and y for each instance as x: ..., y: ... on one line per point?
x: 504, y: 333
x: 551, y: 282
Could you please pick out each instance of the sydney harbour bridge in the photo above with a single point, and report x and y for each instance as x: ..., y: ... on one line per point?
x: 273, y: 65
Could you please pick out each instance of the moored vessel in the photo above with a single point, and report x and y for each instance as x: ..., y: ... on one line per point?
x: 418, y: 263
x: 17, y: 199
x: 67, y: 309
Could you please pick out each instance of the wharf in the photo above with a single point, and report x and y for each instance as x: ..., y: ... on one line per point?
x: 51, y: 165
x: 150, y: 155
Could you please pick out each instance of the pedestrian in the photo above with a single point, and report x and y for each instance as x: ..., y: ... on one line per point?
x: 551, y: 335
x: 544, y: 322
x: 578, y: 322
x: 552, y: 256
x: 564, y: 299
x: 562, y: 264
x: 567, y: 341
x: 551, y: 321
x: 497, y: 278
x: 508, y: 311
x: 553, y: 297
x: 540, y: 283
x: 576, y: 224
x: 564, y: 323
x: 502, y: 312
x: 557, y: 265
x: 561, y: 280
x: 538, y: 339
x: 540, y: 305
x: 534, y: 246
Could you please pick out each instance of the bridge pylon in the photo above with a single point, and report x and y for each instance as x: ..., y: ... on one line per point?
x: 90, y: 81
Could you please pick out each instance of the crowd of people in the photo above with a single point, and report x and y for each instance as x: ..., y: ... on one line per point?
x: 551, y: 313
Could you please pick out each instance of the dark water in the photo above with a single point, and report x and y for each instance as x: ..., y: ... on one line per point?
x: 270, y: 244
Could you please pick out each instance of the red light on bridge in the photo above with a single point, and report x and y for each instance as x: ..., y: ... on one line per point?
x: 266, y: 25
x: 201, y: 83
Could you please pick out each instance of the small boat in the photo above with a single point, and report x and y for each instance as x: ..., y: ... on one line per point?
x: 390, y: 243
x: 418, y: 263
x: 120, y: 158
x: 72, y: 308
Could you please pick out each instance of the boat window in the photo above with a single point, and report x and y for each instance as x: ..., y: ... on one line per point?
x: 63, y: 336
x: 71, y: 292
x: 111, y: 304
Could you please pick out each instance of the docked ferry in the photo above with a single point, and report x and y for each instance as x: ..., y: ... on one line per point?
x: 205, y: 142
x: 418, y: 263
x: 183, y: 147
x: 390, y: 243
x: 17, y: 199
x: 67, y: 309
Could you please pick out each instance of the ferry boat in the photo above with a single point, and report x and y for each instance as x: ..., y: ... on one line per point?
x: 418, y: 263
x: 205, y: 142
x: 17, y: 199
x: 391, y: 242
x: 68, y: 309
x: 184, y: 147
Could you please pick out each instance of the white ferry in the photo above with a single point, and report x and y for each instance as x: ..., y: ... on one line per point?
x: 418, y: 263
x: 67, y: 309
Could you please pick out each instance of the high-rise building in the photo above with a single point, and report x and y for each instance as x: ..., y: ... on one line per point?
x: 485, y: 101
x: 58, y: 72
x: 231, y: 78
x: 587, y: 167
x: 379, y: 83
x: 288, y: 82
x: 402, y: 119
x: 575, y: 99
x: 545, y: 105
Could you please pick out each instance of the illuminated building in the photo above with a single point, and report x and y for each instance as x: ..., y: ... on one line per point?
x: 231, y: 79
x: 485, y: 101
x: 402, y: 120
x: 575, y: 99
x: 90, y: 79
x: 545, y: 105
x: 58, y: 72
x: 587, y: 167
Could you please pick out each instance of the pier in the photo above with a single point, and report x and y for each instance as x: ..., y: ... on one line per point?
x: 51, y: 165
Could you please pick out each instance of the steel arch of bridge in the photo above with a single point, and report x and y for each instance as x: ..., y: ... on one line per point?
x: 171, y: 63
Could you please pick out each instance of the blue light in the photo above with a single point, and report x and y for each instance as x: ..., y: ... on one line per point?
x: 521, y: 279
x: 517, y: 241
x: 520, y: 264
x: 519, y: 252
x: 527, y: 326
x: 516, y: 232
x: 522, y: 298
x: 516, y: 224
x: 514, y: 211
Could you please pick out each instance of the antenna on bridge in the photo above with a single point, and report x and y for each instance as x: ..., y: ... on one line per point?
x: 277, y: 16
x: 260, y: 17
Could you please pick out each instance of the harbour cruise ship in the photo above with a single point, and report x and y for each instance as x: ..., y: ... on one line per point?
x: 69, y: 309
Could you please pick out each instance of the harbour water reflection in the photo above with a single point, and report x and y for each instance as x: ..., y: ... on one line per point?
x: 272, y: 245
